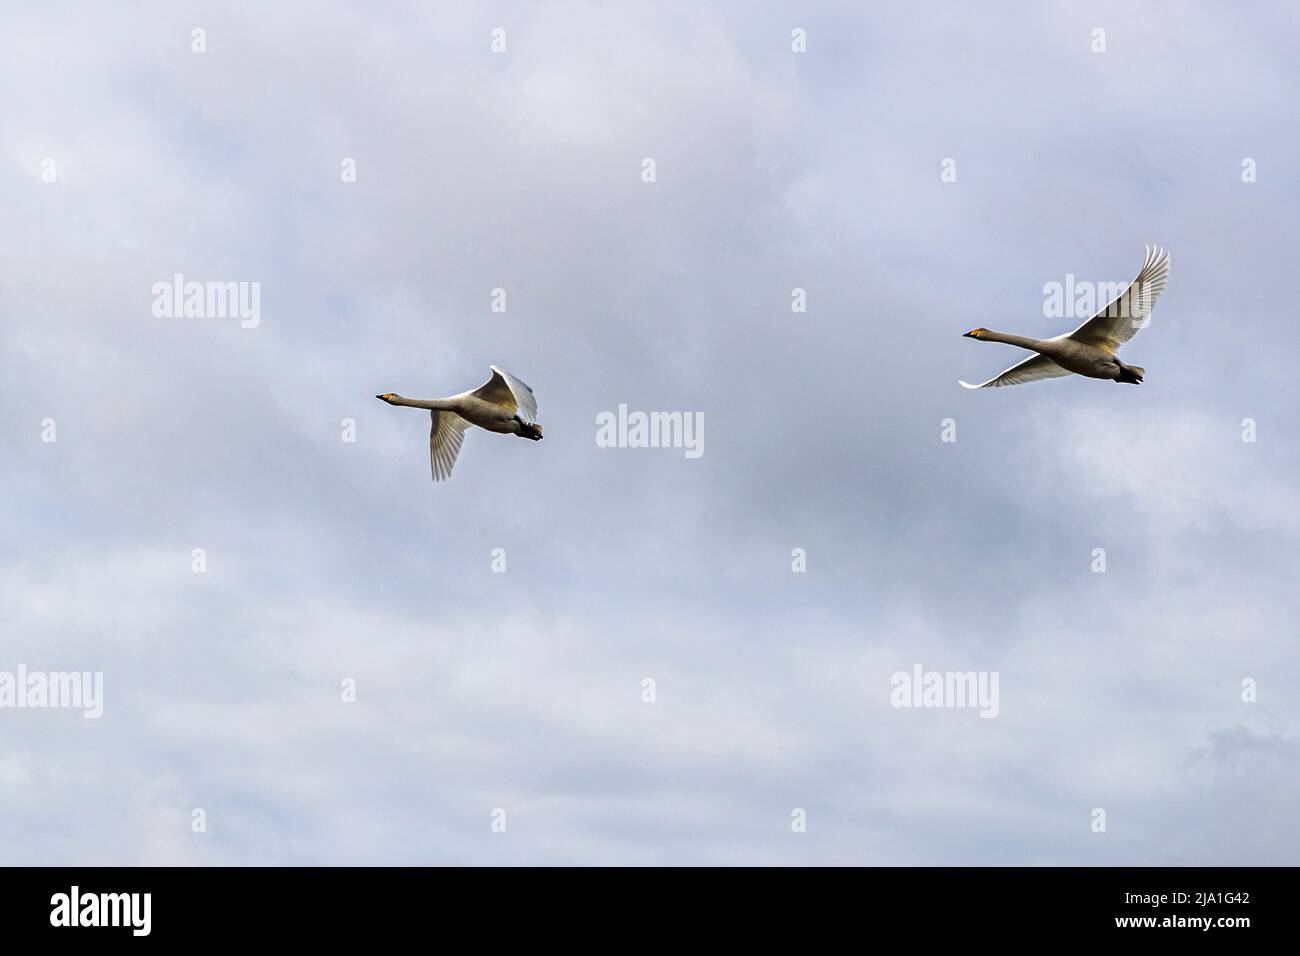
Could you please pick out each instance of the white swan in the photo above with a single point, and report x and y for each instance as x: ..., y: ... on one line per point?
x: 502, y: 404
x: 1090, y: 349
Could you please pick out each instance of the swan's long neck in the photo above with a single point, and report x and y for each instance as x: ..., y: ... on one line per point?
x: 441, y: 404
x: 1034, y: 345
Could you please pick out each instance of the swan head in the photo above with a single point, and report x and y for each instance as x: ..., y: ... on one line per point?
x: 387, y: 397
x: 974, y: 333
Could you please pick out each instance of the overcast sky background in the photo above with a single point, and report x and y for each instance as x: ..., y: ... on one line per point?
x: 522, y: 170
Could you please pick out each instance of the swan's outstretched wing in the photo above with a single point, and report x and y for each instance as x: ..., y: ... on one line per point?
x: 1033, y: 369
x: 507, y: 391
x: 1121, y: 318
x: 445, y: 435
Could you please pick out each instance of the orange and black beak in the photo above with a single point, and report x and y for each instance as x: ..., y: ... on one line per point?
x: 972, y: 334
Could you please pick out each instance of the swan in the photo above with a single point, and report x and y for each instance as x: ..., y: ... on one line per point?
x: 502, y: 404
x: 1090, y: 349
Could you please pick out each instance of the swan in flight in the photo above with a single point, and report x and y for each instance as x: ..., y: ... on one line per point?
x: 502, y: 404
x: 1090, y: 349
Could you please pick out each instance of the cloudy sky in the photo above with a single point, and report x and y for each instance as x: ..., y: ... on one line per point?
x: 126, y: 157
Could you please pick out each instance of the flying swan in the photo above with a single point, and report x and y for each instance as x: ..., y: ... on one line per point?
x: 503, y: 404
x: 1090, y: 349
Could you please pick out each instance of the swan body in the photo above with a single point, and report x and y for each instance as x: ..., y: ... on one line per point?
x: 1090, y: 350
x: 503, y: 404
